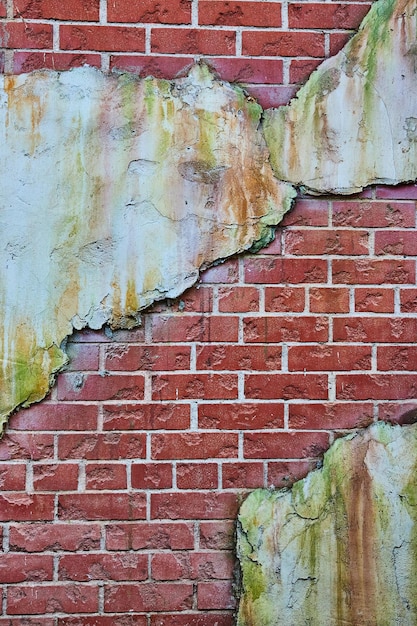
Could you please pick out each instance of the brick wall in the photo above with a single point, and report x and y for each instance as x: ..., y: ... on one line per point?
x: 120, y: 491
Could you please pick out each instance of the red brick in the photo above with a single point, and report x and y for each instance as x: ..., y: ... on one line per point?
x: 286, y: 386
x: 329, y: 300
x: 26, y: 446
x: 275, y: 247
x: 215, y: 595
x: 321, y: 358
x: 217, y: 535
x: 285, y: 329
x: 86, y: 567
x: 397, y: 358
x: 377, y: 272
x: 242, y: 475
x: 375, y: 329
x: 241, y: 416
x: 197, y: 505
x: 301, y: 69
x: 102, y: 38
x: 376, y: 386
x: 17, y: 568
x: 151, y: 475
x: 146, y: 416
x: 326, y: 242
x: 27, y: 621
x: 285, y: 473
x: 83, y: 356
x: 241, y: 70
x: 24, y: 62
x: 408, y: 298
x: 286, y: 44
x: 269, y: 96
x: 227, y: 357
x: 198, y: 299
x: 95, y: 387
x: 170, y: 566
x: 53, y: 417
x: 132, y: 619
x: 99, y: 446
x: 26, y: 35
x: 227, y: 272
x: 285, y: 299
x: 16, y: 506
x: 374, y: 300
x: 185, y: 328
x: 307, y: 212
x: 238, y: 299
x: 194, y: 386
x: 398, y: 192
x: 194, y: 445
x: 76, y: 10
x: 97, y: 506
x: 370, y: 214
x: 193, y: 41
x: 212, y: 565
x: 235, y: 13
x: 193, y: 619
x: 133, y: 358
x: 148, y: 596
x: 160, y: 67
x: 150, y: 536
x: 3, y: 10
x: 197, y: 476
x: 320, y: 15
x: 105, y: 476
x: 53, y: 477
x: 161, y: 12
x: 338, y: 41
x: 58, y: 536
x: 399, y: 243
x: 41, y: 599
x: 288, y: 445
x: 398, y: 413
x: 330, y: 416
x: 12, y: 477
x: 282, y: 270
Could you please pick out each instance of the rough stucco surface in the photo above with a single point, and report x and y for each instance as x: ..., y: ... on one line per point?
x: 354, y: 123
x: 341, y: 546
x: 115, y: 192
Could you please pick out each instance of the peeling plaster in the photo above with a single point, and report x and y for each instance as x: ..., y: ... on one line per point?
x: 341, y: 546
x: 115, y: 193
x: 353, y: 123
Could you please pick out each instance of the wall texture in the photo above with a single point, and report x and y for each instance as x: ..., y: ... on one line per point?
x: 119, y: 495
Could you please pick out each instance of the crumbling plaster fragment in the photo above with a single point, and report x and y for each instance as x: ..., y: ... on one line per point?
x: 341, y: 546
x: 115, y: 192
x: 354, y: 123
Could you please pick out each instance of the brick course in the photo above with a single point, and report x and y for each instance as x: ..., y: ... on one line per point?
x: 120, y: 491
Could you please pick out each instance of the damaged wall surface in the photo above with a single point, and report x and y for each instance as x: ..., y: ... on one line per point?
x: 341, y: 546
x: 115, y: 192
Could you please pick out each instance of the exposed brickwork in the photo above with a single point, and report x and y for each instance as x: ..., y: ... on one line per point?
x: 120, y: 491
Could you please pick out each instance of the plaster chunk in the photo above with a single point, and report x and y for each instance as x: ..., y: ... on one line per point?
x: 354, y: 123
x: 115, y: 192
x: 341, y: 546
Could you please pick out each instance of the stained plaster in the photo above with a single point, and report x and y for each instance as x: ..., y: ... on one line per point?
x: 341, y: 546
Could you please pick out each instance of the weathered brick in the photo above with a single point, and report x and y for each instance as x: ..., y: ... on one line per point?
x: 76, y: 386
x: 75, y: 10
x: 55, y: 477
x: 329, y: 358
x: 241, y: 416
x: 18, y: 568
x: 150, y: 536
x: 286, y: 44
x: 408, y: 299
x: 230, y: 357
x: 321, y: 15
x: 30, y: 61
x: 197, y: 505
x: 284, y: 299
x: 396, y: 243
x: 12, y: 477
x: 158, y: 66
x: 162, y: 12
x: 194, y: 445
x: 197, y: 476
x: 41, y: 599
x: 185, y: 328
x: 97, y: 506
x: 288, y: 445
x: 215, y: 595
x: 133, y: 358
x: 285, y: 329
x: 18, y: 446
x: 235, y: 13
x: 147, y: 416
x: 19, y: 506
x: 39, y: 537
x: 217, y: 535
x: 375, y: 329
x: 238, y: 299
x: 326, y: 242
x: 193, y: 41
x: 368, y: 214
x: 376, y: 386
x: 147, y: 596
x: 329, y: 300
x: 244, y: 70
x: 330, y: 416
x: 242, y: 475
x: 373, y: 271
x: 99, y: 446
x: 26, y: 35
x: 392, y: 358
x: 86, y: 567
x: 286, y: 386
x: 56, y: 416
x: 151, y: 475
x: 282, y: 270
x: 194, y: 386
x: 105, y: 476
x: 102, y: 38
x: 374, y: 300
